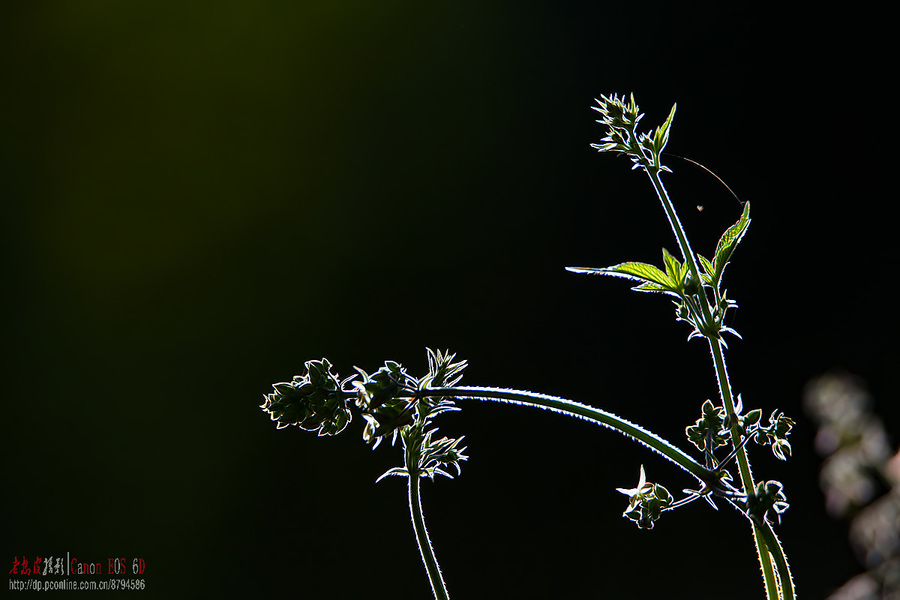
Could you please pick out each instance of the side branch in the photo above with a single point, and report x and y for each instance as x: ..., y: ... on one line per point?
x: 582, y: 411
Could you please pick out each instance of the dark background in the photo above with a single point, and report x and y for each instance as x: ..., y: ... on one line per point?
x: 198, y: 197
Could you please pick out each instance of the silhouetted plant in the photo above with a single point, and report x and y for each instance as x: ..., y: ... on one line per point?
x: 396, y: 405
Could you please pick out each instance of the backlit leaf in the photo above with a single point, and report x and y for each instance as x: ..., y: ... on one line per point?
x: 729, y: 240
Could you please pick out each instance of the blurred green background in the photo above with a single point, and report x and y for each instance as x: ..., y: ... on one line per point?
x: 198, y: 197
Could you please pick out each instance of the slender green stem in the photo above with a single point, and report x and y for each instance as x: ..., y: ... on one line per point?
x: 422, y: 539
x: 763, y: 534
x: 762, y: 547
x: 765, y: 562
x: 718, y: 355
x: 675, y: 223
x: 715, y: 346
x: 573, y: 409
x: 785, y: 580
x: 543, y: 401
x: 583, y: 411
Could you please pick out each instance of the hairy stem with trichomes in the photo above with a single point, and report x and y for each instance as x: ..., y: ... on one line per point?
x: 725, y: 392
x: 438, y: 587
x: 396, y: 405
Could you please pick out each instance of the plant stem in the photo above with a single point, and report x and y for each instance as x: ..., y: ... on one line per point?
x: 785, y: 580
x: 762, y: 548
x: 765, y: 562
x: 725, y: 392
x: 422, y: 539
x: 583, y: 411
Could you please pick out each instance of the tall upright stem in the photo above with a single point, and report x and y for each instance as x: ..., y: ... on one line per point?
x: 725, y: 392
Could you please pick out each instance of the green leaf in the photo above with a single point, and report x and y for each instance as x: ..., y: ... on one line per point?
x: 661, y: 136
x: 674, y: 269
x: 651, y: 287
x: 729, y: 241
x: 642, y: 271
x: 652, y: 278
x: 708, y: 269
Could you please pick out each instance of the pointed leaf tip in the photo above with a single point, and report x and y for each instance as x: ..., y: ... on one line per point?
x: 729, y: 241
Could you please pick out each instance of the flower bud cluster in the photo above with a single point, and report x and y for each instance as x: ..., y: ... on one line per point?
x: 314, y: 401
x: 766, y: 500
x: 621, y: 119
x: 646, y: 502
x: 391, y: 402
